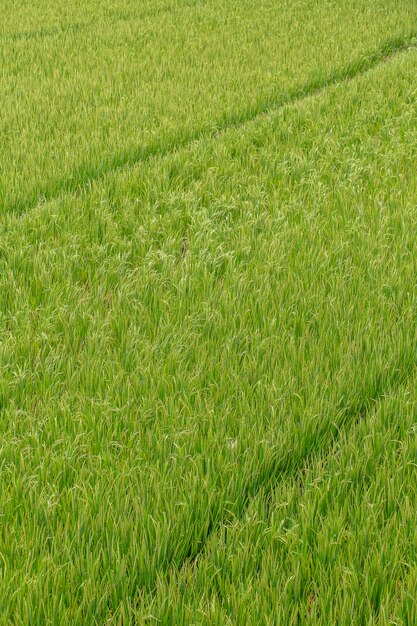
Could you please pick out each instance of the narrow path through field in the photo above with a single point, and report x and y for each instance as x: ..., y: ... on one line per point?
x: 294, y: 464
x: 86, y: 176
x: 76, y: 27
x: 277, y: 511
x: 44, y: 32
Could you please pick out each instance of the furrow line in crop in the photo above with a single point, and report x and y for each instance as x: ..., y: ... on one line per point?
x: 297, y: 472
x: 291, y: 505
x: 79, y: 26
x: 44, y: 32
x: 84, y: 177
x: 296, y: 458
x: 293, y: 461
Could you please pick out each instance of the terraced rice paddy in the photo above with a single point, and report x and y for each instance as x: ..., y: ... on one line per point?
x: 208, y: 261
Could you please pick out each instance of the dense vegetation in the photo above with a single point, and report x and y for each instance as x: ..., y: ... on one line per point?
x: 208, y: 312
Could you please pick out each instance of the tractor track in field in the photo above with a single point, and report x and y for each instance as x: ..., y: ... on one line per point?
x: 294, y: 463
x: 76, y: 27
x: 295, y: 467
x: 43, y: 33
x: 83, y: 178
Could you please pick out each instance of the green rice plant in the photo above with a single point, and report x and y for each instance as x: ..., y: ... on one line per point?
x: 188, y: 335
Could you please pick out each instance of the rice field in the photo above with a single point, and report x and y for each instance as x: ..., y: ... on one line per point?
x: 208, y: 312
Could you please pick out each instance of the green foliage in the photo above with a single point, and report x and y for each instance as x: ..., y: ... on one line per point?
x: 208, y: 313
